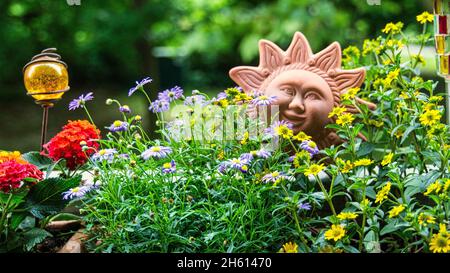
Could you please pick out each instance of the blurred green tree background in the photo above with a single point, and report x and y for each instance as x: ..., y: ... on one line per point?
x: 110, y: 44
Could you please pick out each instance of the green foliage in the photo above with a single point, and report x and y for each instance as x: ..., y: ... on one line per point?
x: 105, y: 40
x: 22, y: 209
x: 386, y: 193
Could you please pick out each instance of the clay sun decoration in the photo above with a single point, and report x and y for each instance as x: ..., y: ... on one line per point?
x: 307, y: 85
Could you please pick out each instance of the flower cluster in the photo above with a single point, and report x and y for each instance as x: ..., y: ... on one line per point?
x: 13, y: 173
x: 66, y: 144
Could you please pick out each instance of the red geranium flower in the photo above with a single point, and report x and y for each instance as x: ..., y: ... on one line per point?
x: 66, y: 144
x: 12, y: 173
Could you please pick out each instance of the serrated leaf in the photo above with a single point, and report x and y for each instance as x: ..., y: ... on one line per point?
x: 40, y: 161
x: 45, y: 197
x: 35, y: 236
x: 17, y: 219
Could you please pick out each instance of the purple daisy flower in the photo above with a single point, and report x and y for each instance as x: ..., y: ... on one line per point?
x: 193, y: 100
x: 156, y: 151
x: 118, y: 126
x: 244, y: 168
x: 304, y: 206
x: 221, y: 96
x: 169, y: 167
x: 223, y: 167
x: 104, y: 154
x: 237, y: 163
x: 291, y: 158
x: 125, y: 109
x: 139, y: 85
x: 76, y: 192
x: 273, y: 177
x: 263, y: 153
x: 310, y: 147
x: 261, y: 99
x: 124, y: 156
x: 248, y: 157
x: 171, y: 95
x: 159, y: 106
x: 77, y: 103
x: 275, y: 127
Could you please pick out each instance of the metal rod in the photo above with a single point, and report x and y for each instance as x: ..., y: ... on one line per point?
x: 44, y: 125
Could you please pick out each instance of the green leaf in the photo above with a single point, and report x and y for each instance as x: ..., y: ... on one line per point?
x: 27, y: 223
x: 35, y: 236
x: 389, y: 228
x: 17, y: 197
x: 45, y: 197
x: 65, y: 217
x: 408, y: 131
x: 16, y: 219
x: 364, y: 149
x: 40, y: 161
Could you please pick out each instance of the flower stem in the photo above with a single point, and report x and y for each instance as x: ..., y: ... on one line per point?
x: 4, y: 213
x: 89, y: 116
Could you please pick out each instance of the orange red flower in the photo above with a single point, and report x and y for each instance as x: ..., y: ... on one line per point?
x: 12, y: 173
x: 66, y: 144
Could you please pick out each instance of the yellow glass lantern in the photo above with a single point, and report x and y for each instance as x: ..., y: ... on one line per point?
x: 46, y: 80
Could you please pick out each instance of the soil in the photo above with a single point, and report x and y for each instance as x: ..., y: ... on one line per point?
x: 53, y: 244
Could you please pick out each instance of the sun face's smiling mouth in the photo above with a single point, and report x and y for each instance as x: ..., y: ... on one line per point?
x: 296, y: 120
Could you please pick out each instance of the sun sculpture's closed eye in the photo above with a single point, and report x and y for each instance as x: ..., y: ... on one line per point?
x: 307, y: 85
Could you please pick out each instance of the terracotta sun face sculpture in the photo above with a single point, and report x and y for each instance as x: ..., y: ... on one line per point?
x: 307, y: 86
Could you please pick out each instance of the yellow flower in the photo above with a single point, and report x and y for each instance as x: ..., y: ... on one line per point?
x: 383, y: 193
x: 314, y: 169
x: 391, y: 76
x: 387, y: 159
x: 347, y: 215
x: 337, y: 111
x: 283, y: 131
x: 446, y: 185
x: 436, y: 130
x: 443, y: 229
x: 395, y: 211
x: 244, y: 139
x: 426, y: 219
x: 424, y: 17
x: 429, y: 118
x: 433, y: 187
x: 345, y: 119
x: 348, y: 166
x: 221, y: 155
x: 365, y: 203
x: 289, y: 248
x: 363, y: 162
x: 376, y: 123
x: 301, y: 157
x: 398, y: 133
x: 420, y: 59
x: 335, y: 233
x: 393, y: 28
x: 351, y: 93
x: 429, y: 107
x: 440, y: 243
x: 8, y: 156
x: 301, y: 136
x: 435, y: 99
x: 351, y: 51
x: 223, y: 103
x: 387, y: 62
x: 371, y: 46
